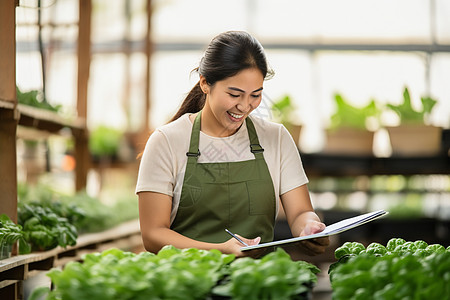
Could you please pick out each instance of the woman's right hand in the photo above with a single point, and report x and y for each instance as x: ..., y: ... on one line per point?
x: 233, y: 246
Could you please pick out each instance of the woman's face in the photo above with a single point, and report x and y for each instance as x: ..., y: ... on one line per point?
x: 230, y: 101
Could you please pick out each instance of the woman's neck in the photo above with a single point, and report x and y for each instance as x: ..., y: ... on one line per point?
x: 211, y: 126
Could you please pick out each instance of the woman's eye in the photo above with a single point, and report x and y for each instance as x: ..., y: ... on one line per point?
x: 256, y: 96
x: 233, y: 95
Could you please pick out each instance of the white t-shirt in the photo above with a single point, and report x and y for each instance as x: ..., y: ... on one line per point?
x: 164, y: 158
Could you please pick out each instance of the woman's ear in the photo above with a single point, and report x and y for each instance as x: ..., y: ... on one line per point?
x: 204, y: 85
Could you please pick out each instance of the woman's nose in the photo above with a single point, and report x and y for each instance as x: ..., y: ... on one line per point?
x: 244, y: 105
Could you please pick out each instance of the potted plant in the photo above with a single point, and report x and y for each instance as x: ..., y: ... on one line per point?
x: 348, y: 133
x: 414, y: 137
x: 283, y: 113
x: 104, y: 143
x: 10, y: 233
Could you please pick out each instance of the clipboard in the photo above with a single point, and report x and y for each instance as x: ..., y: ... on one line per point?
x: 332, y: 229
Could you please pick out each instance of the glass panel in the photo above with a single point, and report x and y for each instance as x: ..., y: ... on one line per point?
x: 198, y: 19
x: 440, y: 89
x: 61, y: 11
x: 108, y: 20
x: 106, y: 91
x: 442, y: 21
x: 344, y: 20
x: 61, y: 86
x: 136, y: 98
x: 28, y: 71
x: 171, y: 81
x: 138, y: 24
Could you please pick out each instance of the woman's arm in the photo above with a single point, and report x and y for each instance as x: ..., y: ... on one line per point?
x: 303, y: 220
x: 154, y: 216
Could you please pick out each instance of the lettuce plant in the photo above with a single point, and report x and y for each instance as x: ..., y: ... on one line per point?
x: 347, y: 115
x: 407, y: 114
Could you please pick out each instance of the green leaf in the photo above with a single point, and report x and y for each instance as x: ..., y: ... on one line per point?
x: 36, y: 99
x: 407, y: 113
x: 39, y: 293
x: 24, y: 246
x: 428, y: 104
x: 5, y: 219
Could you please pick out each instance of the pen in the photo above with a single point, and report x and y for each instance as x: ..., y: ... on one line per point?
x: 236, y: 237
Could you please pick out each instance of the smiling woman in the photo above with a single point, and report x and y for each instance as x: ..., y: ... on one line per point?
x: 229, y: 101
x: 215, y: 166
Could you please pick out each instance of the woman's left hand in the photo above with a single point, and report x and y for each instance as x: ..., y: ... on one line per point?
x: 317, y: 245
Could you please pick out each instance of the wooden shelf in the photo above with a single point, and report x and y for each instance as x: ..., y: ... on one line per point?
x: 42, y: 119
x: 125, y: 236
x: 45, y: 120
x: 34, y: 123
x: 321, y: 164
x: 339, y: 165
x: 6, y: 104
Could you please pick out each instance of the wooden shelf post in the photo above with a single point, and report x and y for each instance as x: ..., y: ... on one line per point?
x: 84, y: 60
x: 8, y: 116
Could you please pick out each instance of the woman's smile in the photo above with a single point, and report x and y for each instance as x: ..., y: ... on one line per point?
x: 235, y: 117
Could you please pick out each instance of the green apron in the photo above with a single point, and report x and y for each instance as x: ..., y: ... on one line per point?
x: 238, y: 196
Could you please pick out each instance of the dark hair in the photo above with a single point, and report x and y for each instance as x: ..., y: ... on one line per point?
x: 227, y: 54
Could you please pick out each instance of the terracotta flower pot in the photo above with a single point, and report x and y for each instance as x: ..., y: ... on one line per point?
x: 415, y: 140
x: 349, y: 141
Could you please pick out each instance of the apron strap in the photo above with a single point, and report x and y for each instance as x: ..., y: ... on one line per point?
x: 255, y: 147
x: 194, y: 152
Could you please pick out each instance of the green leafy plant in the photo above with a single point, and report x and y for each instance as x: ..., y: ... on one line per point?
x: 86, y: 213
x: 393, y: 276
x: 11, y: 233
x: 275, y: 276
x: 395, y: 246
x: 105, y: 141
x: 347, y: 115
x: 35, y: 98
x: 179, y: 274
x: 115, y: 274
x: 283, y: 109
x: 44, y: 229
x: 349, y: 248
x: 97, y: 216
x: 400, y: 270
x: 407, y: 114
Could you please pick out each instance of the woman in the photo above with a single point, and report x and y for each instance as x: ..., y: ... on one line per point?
x: 215, y: 167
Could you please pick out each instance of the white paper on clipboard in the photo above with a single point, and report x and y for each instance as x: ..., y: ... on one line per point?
x: 332, y: 229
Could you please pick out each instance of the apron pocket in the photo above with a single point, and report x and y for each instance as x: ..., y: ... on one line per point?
x: 261, y: 198
x: 193, y: 195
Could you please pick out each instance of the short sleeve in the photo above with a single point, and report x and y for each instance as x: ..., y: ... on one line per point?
x: 156, y: 169
x: 292, y: 174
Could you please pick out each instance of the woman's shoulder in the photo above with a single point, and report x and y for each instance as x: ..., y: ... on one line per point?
x: 180, y: 126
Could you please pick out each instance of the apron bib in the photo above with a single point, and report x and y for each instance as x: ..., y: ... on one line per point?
x: 238, y: 196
